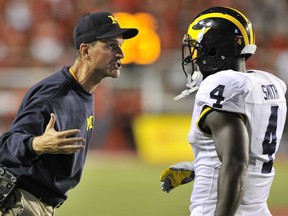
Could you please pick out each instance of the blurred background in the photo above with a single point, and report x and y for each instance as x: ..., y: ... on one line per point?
x: 135, y: 114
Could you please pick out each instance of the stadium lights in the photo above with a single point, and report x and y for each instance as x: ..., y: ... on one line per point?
x: 144, y: 48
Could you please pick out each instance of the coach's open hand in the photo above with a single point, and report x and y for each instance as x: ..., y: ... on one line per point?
x: 54, y: 142
x: 178, y: 174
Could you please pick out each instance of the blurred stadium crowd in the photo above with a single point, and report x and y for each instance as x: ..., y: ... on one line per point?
x: 36, y: 39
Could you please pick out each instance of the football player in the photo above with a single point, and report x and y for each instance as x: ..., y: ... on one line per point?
x: 237, y: 122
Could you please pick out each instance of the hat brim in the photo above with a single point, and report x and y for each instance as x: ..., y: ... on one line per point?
x: 127, y: 33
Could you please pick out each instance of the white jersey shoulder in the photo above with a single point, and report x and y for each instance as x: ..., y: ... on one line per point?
x: 230, y: 90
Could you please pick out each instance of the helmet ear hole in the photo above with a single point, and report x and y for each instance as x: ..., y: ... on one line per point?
x: 212, y: 51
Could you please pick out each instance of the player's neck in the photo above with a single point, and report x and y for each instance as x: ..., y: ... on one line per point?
x: 240, y: 65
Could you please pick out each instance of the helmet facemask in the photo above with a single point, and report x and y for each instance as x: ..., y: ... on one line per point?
x: 191, y: 50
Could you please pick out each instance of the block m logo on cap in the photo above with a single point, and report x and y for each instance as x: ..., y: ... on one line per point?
x: 114, y: 20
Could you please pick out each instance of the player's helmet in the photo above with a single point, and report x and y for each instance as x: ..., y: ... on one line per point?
x: 215, y: 36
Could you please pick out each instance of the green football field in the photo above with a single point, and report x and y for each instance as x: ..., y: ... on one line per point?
x: 123, y: 185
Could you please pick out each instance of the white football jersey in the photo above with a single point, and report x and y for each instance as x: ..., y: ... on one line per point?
x: 259, y: 97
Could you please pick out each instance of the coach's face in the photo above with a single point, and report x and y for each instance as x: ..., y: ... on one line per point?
x: 106, y: 55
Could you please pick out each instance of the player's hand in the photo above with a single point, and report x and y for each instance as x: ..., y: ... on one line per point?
x: 54, y: 142
x: 176, y: 175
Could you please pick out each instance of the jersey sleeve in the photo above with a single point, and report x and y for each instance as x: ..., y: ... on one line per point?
x: 224, y: 91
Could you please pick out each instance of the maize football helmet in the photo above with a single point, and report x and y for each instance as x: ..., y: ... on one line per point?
x: 215, y: 36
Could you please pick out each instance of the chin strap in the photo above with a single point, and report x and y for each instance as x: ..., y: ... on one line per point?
x: 192, y: 85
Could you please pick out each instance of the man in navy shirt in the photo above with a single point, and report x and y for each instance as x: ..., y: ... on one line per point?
x: 47, y: 144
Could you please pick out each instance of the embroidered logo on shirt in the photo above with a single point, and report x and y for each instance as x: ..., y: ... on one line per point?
x: 89, y: 123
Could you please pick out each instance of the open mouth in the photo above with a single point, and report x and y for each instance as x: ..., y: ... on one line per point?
x: 118, y: 65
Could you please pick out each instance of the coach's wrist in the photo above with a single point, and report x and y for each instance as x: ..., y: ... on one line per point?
x: 36, y: 146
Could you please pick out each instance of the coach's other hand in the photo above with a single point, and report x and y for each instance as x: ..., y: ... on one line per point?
x: 54, y: 142
x: 178, y: 174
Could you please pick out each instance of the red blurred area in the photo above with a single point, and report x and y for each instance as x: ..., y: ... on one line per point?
x: 38, y: 34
